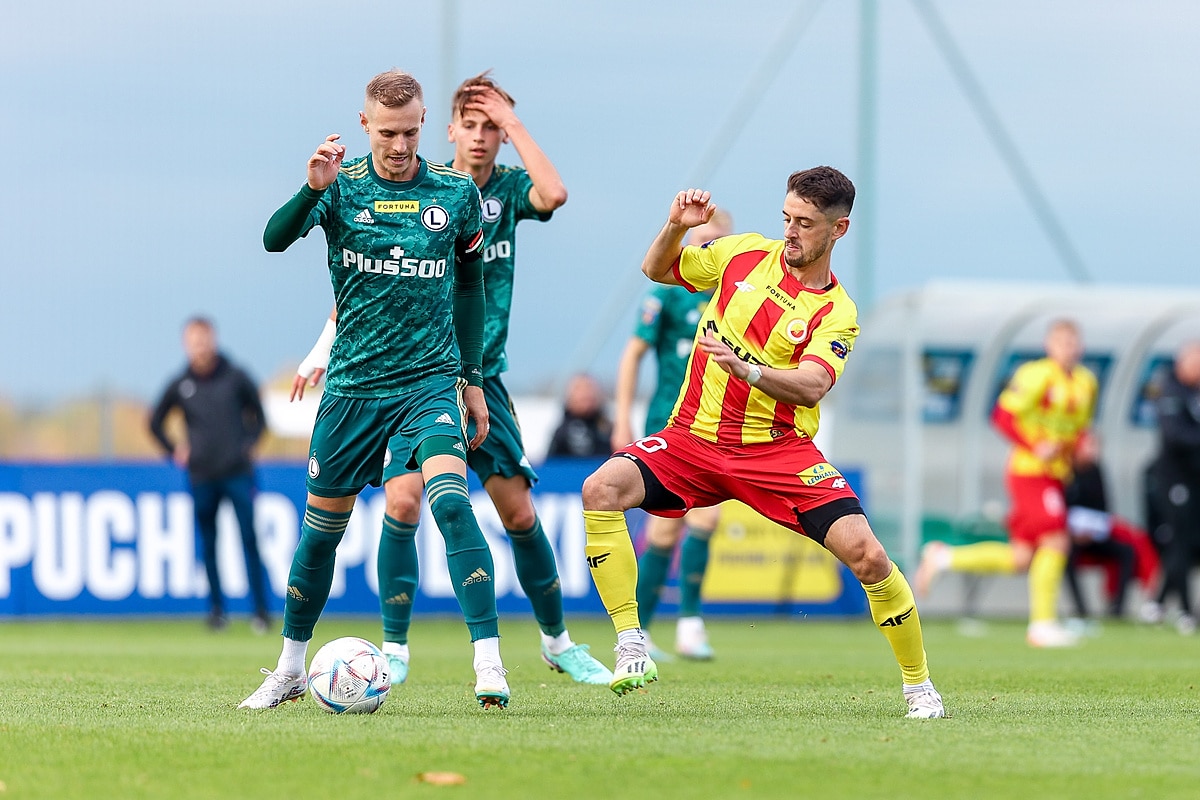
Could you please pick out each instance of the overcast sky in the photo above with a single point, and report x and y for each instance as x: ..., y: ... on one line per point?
x: 149, y: 142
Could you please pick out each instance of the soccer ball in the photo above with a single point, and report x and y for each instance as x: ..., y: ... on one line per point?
x: 349, y: 676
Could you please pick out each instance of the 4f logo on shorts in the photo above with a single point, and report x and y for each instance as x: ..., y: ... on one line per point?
x: 595, y: 561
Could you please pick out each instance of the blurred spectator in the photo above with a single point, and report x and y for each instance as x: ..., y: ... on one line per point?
x: 1176, y: 483
x: 1099, y: 538
x: 585, y: 430
x: 224, y: 419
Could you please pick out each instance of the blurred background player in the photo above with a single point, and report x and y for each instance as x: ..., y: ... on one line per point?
x: 405, y: 239
x: 224, y: 419
x: 1176, y: 482
x: 482, y: 119
x: 585, y: 430
x: 1043, y: 411
x: 775, y: 340
x: 667, y: 325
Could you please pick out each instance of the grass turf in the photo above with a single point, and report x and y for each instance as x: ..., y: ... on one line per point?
x: 133, y: 709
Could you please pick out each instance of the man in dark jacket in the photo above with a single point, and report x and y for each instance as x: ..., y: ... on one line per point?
x: 1176, y: 482
x: 224, y: 419
x: 585, y: 430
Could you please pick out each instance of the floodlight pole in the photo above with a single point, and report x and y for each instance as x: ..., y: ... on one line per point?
x: 864, y: 201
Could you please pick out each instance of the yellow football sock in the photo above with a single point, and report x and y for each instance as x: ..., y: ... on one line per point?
x: 983, y: 557
x: 613, y: 564
x: 895, y: 613
x: 1045, y: 577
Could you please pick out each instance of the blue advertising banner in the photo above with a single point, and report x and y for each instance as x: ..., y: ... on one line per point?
x: 113, y: 538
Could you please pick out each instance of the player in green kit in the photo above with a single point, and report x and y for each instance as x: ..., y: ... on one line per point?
x: 482, y: 120
x: 667, y: 325
x: 405, y: 241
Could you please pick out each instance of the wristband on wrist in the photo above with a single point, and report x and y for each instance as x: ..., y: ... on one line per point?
x: 318, y: 357
x: 754, y: 375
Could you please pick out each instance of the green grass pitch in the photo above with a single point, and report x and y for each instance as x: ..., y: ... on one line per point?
x: 790, y: 708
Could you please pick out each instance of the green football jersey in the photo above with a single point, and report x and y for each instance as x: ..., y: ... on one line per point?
x: 667, y: 322
x: 392, y: 248
x: 505, y: 203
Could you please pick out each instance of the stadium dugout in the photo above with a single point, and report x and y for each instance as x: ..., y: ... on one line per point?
x: 912, y: 410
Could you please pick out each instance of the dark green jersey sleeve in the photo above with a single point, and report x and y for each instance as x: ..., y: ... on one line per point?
x: 292, y: 220
x: 469, y: 308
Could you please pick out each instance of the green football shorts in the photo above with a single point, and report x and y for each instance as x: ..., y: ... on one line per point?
x: 502, y: 452
x: 350, y: 440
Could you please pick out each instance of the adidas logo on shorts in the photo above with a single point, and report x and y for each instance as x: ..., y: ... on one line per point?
x: 445, y: 419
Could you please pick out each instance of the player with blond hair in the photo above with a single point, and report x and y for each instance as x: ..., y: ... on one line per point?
x: 482, y: 120
x: 405, y: 257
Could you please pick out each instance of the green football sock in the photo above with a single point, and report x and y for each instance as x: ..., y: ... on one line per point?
x: 693, y: 561
x: 538, y: 575
x: 311, y: 575
x: 652, y: 576
x: 398, y: 577
x: 467, y: 555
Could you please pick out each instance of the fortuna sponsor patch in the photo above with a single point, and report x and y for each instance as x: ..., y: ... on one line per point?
x: 818, y: 472
x: 397, y: 206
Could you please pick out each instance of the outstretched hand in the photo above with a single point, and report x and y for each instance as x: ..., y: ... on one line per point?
x: 324, y: 164
x: 692, y: 207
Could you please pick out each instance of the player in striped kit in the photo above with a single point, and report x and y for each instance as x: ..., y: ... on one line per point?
x: 1044, y: 411
x: 772, y: 342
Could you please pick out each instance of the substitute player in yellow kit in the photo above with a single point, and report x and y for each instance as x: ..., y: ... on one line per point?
x: 771, y: 344
x: 1045, y: 410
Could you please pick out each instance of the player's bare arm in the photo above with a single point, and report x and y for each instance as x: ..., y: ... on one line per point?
x: 627, y: 378
x: 690, y: 208
x: 314, y: 365
x: 324, y: 164
x: 548, y: 192
x: 478, y: 411
x: 805, y: 385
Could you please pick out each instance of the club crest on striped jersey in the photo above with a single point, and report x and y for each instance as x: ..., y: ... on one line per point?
x: 821, y: 471
x: 796, y: 330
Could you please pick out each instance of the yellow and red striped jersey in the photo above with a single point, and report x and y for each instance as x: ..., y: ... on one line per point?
x: 1047, y: 404
x: 768, y: 318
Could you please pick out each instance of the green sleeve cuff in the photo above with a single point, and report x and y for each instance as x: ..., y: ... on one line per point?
x: 469, y: 307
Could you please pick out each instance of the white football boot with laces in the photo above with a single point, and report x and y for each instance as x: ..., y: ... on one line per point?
x: 276, y: 689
